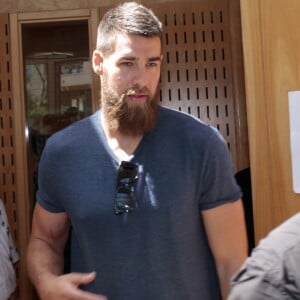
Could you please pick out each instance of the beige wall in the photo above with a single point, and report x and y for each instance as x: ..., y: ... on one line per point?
x: 271, y: 41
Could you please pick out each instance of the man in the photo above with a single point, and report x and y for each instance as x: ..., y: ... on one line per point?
x: 8, y: 256
x: 272, y: 271
x: 148, y: 192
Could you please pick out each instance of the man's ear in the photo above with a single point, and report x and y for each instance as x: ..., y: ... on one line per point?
x: 97, y: 62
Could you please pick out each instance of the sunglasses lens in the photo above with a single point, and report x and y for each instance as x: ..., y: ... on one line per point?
x: 127, y: 173
x: 125, y: 200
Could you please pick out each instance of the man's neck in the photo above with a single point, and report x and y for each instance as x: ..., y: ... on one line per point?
x: 122, y: 145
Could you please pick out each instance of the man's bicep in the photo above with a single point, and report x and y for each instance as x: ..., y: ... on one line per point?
x: 52, y: 228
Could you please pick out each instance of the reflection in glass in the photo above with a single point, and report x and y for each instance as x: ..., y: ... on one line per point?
x: 57, y: 74
x: 36, y: 89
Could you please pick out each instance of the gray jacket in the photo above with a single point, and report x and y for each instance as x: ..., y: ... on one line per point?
x: 273, y: 269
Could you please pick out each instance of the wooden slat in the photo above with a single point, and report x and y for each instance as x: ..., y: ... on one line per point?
x: 8, y: 186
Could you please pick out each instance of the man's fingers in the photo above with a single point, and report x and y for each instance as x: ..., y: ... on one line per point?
x: 89, y: 296
x: 82, y: 278
x: 78, y: 279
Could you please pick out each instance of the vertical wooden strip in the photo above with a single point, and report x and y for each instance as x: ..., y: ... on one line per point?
x: 7, y: 138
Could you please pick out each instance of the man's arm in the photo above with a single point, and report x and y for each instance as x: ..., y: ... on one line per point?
x: 46, y: 245
x: 45, y: 259
x: 226, y: 232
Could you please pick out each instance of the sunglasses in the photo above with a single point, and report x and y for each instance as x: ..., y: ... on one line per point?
x: 125, y: 197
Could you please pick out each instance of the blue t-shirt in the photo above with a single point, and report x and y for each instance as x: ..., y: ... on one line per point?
x: 160, y: 250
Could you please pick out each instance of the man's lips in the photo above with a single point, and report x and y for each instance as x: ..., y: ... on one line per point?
x: 137, y: 97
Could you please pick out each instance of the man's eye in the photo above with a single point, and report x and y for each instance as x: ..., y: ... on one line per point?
x: 152, y: 64
x: 127, y: 63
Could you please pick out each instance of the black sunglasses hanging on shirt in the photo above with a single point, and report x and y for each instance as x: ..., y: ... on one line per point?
x: 125, y: 197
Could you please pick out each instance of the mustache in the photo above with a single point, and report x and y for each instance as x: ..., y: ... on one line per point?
x: 137, y: 90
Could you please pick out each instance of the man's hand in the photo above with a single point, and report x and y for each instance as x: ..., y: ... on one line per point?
x: 66, y: 287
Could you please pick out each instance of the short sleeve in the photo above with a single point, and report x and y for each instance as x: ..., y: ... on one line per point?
x: 48, y: 183
x: 218, y: 183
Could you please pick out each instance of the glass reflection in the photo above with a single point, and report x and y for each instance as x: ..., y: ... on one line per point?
x: 57, y: 73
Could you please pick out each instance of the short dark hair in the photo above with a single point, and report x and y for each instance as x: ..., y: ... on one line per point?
x: 128, y: 18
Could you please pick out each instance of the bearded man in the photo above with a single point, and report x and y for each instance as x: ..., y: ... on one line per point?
x: 148, y: 192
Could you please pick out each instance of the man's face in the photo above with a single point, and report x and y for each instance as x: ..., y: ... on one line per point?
x: 130, y: 77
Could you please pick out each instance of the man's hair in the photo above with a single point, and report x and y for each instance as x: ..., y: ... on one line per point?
x: 128, y: 18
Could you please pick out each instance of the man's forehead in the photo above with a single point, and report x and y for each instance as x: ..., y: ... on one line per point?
x: 134, y: 45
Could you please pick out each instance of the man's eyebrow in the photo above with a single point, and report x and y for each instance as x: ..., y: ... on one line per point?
x: 155, y: 58
x: 130, y: 58
x: 133, y: 58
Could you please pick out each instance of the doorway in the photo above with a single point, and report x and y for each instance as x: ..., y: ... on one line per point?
x: 57, y: 84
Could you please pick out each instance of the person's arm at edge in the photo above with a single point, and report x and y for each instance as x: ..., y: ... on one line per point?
x: 226, y: 232
x: 45, y: 258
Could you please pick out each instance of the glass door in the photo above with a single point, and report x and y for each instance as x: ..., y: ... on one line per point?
x: 57, y: 75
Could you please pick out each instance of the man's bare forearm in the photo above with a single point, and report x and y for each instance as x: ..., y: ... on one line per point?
x: 225, y: 274
x: 43, y: 261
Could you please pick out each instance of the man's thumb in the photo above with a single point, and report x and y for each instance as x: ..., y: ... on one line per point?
x: 84, y: 278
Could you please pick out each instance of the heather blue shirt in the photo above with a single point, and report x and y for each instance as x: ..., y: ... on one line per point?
x: 160, y: 250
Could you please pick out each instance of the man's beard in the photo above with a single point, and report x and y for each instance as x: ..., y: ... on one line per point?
x: 125, y: 116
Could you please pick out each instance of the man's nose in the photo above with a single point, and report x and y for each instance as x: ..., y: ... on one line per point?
x: 140, y: 77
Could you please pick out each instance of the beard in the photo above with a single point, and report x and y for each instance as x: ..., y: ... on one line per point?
x: 125, y: 116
